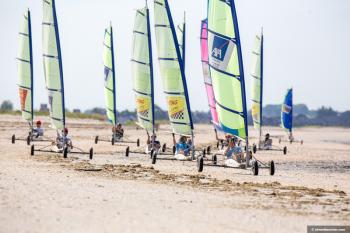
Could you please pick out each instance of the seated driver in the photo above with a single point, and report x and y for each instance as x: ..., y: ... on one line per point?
x: 268, y: 140
x: 234, y: 152
x: 38, y: 131
x: 182, y: 146
x: 118, y: 132
x: 152, y: 142
x: 63, y: 139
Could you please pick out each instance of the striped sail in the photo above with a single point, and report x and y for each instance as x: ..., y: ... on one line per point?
x: 109, y: 76
x: 172, y: 70
x: 206, y: 74
x: 53, y: 65
x: 287, y: 111
x: 181, y: 38
x: 226, y: 67
x: 25, y: 68
x: 142, y: 69
x: 256, y: 73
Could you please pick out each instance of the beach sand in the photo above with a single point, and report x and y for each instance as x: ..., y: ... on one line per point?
x: 113, y: 193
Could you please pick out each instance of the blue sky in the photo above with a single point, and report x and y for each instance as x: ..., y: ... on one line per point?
x: 307, y: 47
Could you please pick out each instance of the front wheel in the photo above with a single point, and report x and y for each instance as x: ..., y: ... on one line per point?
x: 272, y: 167
x: 127, y: 151
x: 208, y: 150
x: 154, y: 158
x: 200, y: 163
x: 28, y: 140
x: 174, y: 150
x: 96, y: 139
x: 214, y: 159
x: 32, y: 150
x: 285, y: 150
x: 13, y: 139
x: 164, y: 147
x: 113, y: 141
x: 65, y: 152
x: 138, y: 142
x: 255, y: 168
x: 91, y: 153
x: 254, y: 148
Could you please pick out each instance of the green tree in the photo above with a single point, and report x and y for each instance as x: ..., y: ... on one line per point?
x: 6, y: 105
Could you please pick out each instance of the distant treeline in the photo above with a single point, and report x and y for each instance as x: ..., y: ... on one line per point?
x: 271, y: 115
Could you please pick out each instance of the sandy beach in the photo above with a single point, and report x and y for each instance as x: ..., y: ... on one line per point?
x: 113, y: 193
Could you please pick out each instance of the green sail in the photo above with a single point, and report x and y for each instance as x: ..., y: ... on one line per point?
x: 109, y: 76
x: 172, y: 70
x: 256, y: 83
x: 25, y: 68
x: 142, y: 70
x: 53, y: 65
x: 226, y: 67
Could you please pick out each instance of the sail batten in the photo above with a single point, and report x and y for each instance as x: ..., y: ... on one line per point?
x: 142, y: 67
x: 53, y: 68
x: 226, y: 67
x: 172, y: 70
x: 25, y: 69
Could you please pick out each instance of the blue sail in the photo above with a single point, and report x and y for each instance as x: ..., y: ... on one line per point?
x: 287, y: 111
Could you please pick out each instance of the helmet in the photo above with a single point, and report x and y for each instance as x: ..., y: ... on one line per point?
x: 38, y: 122
x: 65, y: 130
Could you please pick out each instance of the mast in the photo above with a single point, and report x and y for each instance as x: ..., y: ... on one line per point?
x: 31, y: 67
x: 59, y: 54
x: 184, y: 42
x: 261, y: 82
x: 151, y: 65
x: 241, y: 71
x: 113, y: 76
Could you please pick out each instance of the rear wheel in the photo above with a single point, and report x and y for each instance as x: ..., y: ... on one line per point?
x: 164, y: 147
x: 28, y: 140
x: 91, y: 153
x: 272, y: 167
x: 96, y: 139
x: 32, y: 150
x: 285, y: 150
x: 208, y: 150
x: 174, y: 150
x: 204, y: 152
x: 217, y: 144
x: 113, y: 141
x: 214, y: 159
x: 255, y: 168
x: 200, y: 163
x: 13, y: 139
x: 138, y: 142
x: 154, y: 158
x: 301, y: 142
x: 127, y: 151
x: 65, y: 152
x: 254, y: 148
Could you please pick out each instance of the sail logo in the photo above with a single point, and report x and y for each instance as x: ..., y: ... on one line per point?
x: 287, y: 109
x: 219, y: 49
x: 176, y: 108
x: 23, y: 96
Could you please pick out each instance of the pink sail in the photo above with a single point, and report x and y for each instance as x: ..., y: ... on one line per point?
x: 206, y: 74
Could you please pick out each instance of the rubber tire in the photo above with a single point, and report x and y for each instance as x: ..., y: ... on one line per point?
x: 28, y: 140
x: 200, y: 163
x: 164, y: 147
x: 285, y: 150
x: 255, y: 168
x: 32, y: 150
x: 112, y: 141
x: 127, y: 151
x: 208, y: 150
x: 272, y: 167
x: 91, y: 153
x: 214, y: 159
x: 302, y: 142
x: 204, y: 152
x: 13, y: 139
x: 65, y: 153
x: 279, y: 140
x: 154, y: 158
x: 96, y: 139
x: 217, y: 145
x: 151, y: 154
x: 254, y: 148
x: 138, y: 142
x: 174, y: 150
